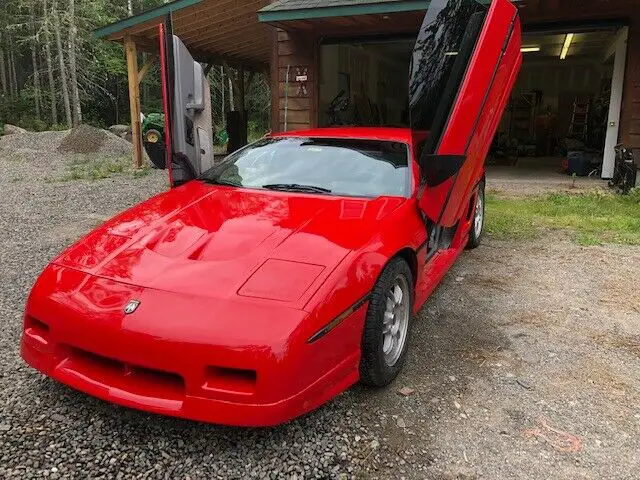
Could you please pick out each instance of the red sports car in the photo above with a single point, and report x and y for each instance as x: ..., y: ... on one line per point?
x: 259, y: 288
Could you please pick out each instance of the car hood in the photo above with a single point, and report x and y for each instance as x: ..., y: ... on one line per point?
x: 221, y: 242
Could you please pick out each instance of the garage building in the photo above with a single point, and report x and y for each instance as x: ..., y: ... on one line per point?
x: 337, y: 62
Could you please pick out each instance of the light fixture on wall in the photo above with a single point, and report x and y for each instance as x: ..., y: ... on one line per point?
x: 567, y: 44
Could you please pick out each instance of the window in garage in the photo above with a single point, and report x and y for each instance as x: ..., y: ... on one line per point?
x: 365, y: 82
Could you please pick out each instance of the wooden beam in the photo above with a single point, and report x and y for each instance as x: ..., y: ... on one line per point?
x: 145, y: 68
x: 134, y: 100
x: 149, y: 45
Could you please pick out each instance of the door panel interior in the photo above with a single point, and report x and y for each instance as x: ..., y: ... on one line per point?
x: 464, y: 66
x: 187, y: 100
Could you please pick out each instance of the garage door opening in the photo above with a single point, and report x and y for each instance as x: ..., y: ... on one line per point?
x: 565, y: 105
x: 565, y: 108
x: 365, y: 82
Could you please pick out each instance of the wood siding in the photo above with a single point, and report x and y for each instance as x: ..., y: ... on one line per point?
x: 295, y: 100
x: 630, y: 118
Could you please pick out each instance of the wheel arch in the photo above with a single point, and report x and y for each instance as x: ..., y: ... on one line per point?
x: 410, y: 256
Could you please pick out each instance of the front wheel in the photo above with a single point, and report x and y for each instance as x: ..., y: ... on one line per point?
x: 387, y: 326
x: 477, y: 225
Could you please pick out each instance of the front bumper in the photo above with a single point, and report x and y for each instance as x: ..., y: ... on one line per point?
x: 141, y: 391
x: 202, y: 359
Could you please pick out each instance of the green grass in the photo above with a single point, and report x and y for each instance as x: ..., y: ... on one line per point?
x: 593, y: 218
x: 88, y: 167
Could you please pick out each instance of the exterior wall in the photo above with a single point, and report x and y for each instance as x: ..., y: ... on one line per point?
x: 300, y: 50
x: 294, y: 101
x: 630, y: 121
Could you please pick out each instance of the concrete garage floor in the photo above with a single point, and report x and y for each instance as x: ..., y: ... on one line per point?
x: 532, y: 176
x: 525, y: 364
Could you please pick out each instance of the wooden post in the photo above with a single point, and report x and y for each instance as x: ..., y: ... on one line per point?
x: 134, y: 100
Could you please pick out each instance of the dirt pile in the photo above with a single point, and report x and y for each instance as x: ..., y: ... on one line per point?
x: 88, y: 139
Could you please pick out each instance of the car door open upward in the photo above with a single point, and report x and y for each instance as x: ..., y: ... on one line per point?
x: 187, y: 107
x: 464, y: 65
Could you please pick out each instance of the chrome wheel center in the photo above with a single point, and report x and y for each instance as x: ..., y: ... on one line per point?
x: 478, y: 220
x: 396, y: 321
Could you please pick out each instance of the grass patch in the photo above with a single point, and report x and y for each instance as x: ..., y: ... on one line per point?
x: 591, y: 218
x: 90, y: 167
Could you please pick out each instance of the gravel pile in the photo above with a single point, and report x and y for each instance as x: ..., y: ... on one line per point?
x: 88, y: 139
x: 518, y: 337
x: 29, y: 145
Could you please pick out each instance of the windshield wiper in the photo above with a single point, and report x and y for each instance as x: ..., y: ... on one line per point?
x: 296, y: 187
x: 217, y: 181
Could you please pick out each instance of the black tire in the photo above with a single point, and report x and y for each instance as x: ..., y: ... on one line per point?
x: 374, y: 370
x: 156, y: 151
x: 475, y: 235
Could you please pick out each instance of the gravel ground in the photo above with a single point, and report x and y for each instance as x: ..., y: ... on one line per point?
x: 525, y: 364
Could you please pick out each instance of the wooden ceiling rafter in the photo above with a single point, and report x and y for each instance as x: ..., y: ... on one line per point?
x: 213, y: 30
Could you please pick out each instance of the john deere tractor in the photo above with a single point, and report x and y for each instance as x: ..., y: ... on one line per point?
x: 153, y: 138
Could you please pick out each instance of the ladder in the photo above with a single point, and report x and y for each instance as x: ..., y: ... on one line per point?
x: 580, y: 118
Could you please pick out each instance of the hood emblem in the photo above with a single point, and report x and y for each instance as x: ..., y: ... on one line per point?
x: 131, y: 307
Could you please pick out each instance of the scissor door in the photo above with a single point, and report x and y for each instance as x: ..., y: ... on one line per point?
x: 465, y: 63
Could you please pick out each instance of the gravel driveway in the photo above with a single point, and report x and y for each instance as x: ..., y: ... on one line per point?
x: 525, y: 364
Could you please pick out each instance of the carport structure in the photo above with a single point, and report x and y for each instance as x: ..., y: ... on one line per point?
x: 223, y: 32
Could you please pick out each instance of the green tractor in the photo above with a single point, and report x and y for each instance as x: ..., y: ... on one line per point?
x: 153, y: 139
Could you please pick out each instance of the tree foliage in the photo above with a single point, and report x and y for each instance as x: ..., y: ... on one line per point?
x: 30, y: 59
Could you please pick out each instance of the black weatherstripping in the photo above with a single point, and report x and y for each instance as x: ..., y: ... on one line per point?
x: 169, y: 80
x: 339, y: 319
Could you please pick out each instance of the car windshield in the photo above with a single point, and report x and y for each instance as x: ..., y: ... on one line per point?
x: 350, y: 167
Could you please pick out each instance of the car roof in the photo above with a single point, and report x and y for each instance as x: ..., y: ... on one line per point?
x: 404, y: 135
